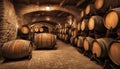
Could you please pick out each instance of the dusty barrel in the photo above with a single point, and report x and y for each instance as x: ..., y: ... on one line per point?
x: 114, y: 52
x: 16, y: 49
x: 112, y: 19
x: 80, y: 42
x: 84, y: 25
x: 87, y: 43
x: 25, y: 30
x: 90, y: 9
x: 66, y: 37
x: 100, y: 47
x: 44, y: 40
x: 96, y: 23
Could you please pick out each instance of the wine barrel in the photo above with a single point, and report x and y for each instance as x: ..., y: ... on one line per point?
x: 84, y: 25
x: 41, y: 29
x: 75, y: 41
x: 96, y: 23
x: 44, y: 40
x: 112, y: 19
x: 114, y: 52
x: 16, y: 49
x: 25, y: 30
x: 87, y: 43
x: 90, y: 9
x: 79, y: 27
x: 100, y: 47
x: 72, y: 40
x: 82, y: 14
x: 102, y: 5
x: 66, y: 37
x: 80, y: 42
x: 36, y: 29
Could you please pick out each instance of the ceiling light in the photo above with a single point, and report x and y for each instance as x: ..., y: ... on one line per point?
x: 47, y: 8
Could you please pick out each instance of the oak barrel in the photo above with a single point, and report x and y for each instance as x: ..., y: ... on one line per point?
x: 100, y: 47
x: 87, y: 43
x: 16, y: 49
x: 25, y: 30
x: 80, y: 42
x: 90, y: 9
x: 114, y: 52
x: 112, y: 19
x: 84, y: 25
x: 96, y: 23
x: 82, y: 14
x: 44, y: 40
x: 79, y: 27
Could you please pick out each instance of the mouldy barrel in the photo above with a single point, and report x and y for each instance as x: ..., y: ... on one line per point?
x: 96, y: 23
x: 84, y: 25
x: 112, y: 19
x: 100, y: 47
x: 87, y: 43
x: 72, y: 39
x: 16, y: 49
x: 44, y: 40
x: 90, y: 9
x: 75, y: 41
x: 114, y: 52
x: 80, y: 42
x: 25, y: 30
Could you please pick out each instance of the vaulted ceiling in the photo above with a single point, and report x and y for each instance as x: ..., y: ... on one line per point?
x: 58, y: 9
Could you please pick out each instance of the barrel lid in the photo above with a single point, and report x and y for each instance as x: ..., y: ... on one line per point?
x: 91, y: 23
x: 99, y: 4
x: 87, y: 10
x: 83, y: 25
x: 111, y: 20
x: 96, y: 49
x: 114, y: 53
x: 86, y: 45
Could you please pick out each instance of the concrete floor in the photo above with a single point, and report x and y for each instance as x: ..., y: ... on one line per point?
x: 63, y: 57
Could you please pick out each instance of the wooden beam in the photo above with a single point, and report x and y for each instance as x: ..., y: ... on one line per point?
x: 79, y: 2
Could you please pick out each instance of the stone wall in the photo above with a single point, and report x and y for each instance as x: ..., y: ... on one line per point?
x: 8, y: 22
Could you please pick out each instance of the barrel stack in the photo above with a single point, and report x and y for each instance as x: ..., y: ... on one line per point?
x: 98, y: 32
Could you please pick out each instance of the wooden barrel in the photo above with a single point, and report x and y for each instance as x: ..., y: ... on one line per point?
x: 96, y: 23
x: 84, y: 25
x: 25, y: 30
x: 102, y: 5
x: 82, y: 14
x: 90, y: 9
x: 75, y: 41
x: 79, y: 26
x: 100, y: 47
x: 72, y: 40
x: 16, y: 49
x: 41, y: 29
x: 114, y: 52
x: 112, y: 19
x: 66, y: 37
x: 87, y: 43
x: 44, y: 40
x: 80, y: 42
x: 36, y: 29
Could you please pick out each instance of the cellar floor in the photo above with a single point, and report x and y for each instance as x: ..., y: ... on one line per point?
x: 64, y: 56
